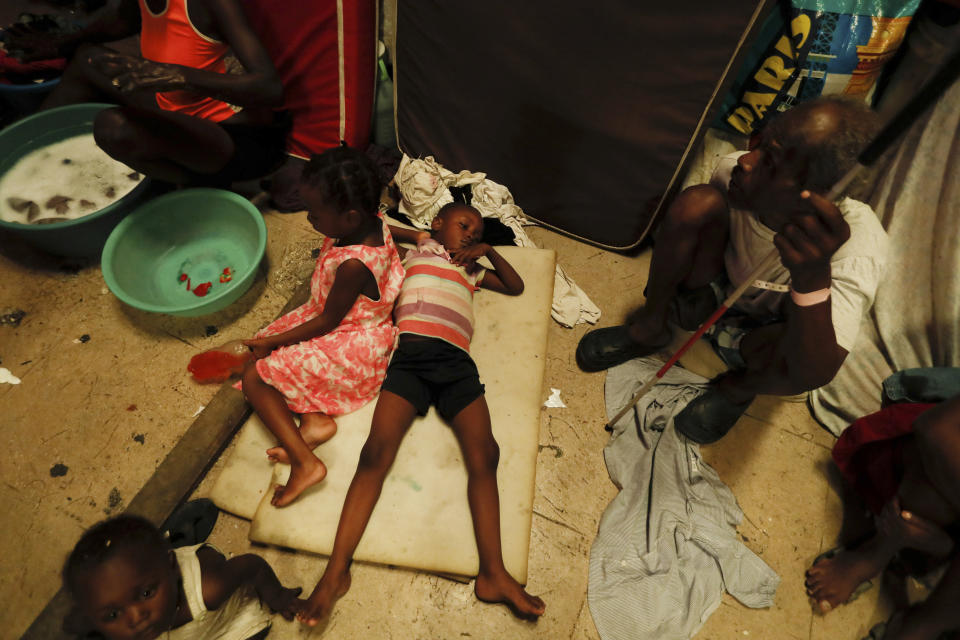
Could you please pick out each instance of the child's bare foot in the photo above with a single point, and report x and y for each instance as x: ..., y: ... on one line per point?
x: 315, y: 429
x: 320, y: 603
x: 302, y: 477
x: 502, y: 588
x: 832, y: 581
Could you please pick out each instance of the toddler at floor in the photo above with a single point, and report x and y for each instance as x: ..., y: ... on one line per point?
x: 432, y: 365
x: 329, y: 356
x: 128, y: 583
x: 903, y: 462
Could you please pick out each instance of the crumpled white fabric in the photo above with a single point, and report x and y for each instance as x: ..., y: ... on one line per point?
x: 424, y: 189
x: 667, y: 546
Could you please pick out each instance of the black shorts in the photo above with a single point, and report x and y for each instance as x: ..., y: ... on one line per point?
x: 431, y: 371
x: 258, y: 149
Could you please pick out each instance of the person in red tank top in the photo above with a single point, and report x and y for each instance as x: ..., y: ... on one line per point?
x: 181, y: 117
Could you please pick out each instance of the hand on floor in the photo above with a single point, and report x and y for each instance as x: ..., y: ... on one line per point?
x: 284, y: 601
x: 913, y: 531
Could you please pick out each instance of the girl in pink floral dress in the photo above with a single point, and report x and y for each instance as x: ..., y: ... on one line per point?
x: 329, y: 356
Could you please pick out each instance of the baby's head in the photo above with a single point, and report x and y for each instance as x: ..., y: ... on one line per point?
x: 124, y: 579
x: 457, y: 226
x: 341, y: 188
x: 811, y: 146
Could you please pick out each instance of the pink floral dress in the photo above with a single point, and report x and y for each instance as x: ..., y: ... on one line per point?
x: 340, y: 371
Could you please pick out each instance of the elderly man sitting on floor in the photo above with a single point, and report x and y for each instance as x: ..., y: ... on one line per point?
x: 792, y: 330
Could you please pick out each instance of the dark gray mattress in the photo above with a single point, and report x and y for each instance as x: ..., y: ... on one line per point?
x: 584, y: 110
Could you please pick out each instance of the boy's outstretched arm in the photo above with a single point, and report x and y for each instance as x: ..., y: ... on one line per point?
x: 402, y: 234
x: 221, y: 577
x: 503, y: 278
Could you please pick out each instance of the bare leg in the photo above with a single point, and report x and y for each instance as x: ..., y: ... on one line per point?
x: 937, y: 432
x: 766, y: 368
x: 934, y: 616
x: 315, y: 429
x: 481, y: 455
x: 912, y: 520
x: 306, y: 469
x: 689, y: 251
x: 169, y: 146
x: 391, y: 420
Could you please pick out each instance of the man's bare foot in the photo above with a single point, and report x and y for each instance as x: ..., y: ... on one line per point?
x: 315, y: 429
x: 502, y: 588
x: 831, y: 581
x: 320, y: 603
x: 302, y: 477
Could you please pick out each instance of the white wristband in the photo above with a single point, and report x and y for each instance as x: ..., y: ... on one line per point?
x: 810, y: 298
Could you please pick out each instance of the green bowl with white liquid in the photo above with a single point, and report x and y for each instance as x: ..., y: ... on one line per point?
x: 185, y: 253
x: 79, y: 237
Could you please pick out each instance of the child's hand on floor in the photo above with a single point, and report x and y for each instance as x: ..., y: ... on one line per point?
x: 261, y: 347
x: 467, y: 256
x: 912, y: 530
x: 283, y: 601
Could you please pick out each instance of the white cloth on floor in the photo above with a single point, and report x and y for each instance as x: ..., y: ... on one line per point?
x: 424, y: 189
x: 667, y: 545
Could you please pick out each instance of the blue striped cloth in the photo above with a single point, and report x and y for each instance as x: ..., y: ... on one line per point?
x: 667, y: 545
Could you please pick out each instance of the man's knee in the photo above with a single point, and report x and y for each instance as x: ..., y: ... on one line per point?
x: 113, y: 132
x: 698, y: 206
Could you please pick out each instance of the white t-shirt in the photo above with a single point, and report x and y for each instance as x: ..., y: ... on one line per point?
x: 239, y: 618
x: 855, y: 268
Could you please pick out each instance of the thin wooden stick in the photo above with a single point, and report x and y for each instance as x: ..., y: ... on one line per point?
x: 761, y: 268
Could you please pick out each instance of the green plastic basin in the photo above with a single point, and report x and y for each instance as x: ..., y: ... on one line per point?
x: 80, y: 237
x: 180, y: 239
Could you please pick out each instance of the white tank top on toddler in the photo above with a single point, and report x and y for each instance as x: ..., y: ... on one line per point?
x: 239, y: 618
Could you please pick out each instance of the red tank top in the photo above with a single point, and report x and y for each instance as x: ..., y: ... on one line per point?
x: 170, y: 37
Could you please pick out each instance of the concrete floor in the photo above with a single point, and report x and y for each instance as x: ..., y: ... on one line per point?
x: 91, y: 420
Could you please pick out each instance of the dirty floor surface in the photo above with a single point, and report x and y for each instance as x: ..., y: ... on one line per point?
x: 105, y: 395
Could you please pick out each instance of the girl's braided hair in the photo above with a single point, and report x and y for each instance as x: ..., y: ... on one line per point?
x: 104, y: 539
x: 346, y: 179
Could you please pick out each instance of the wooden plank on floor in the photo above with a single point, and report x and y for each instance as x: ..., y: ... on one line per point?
x: 174, y: 479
